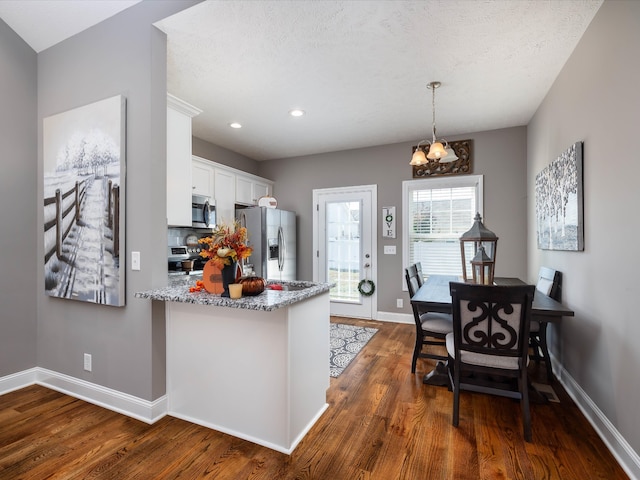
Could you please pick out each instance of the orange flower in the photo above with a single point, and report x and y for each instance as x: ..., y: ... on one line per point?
x: 227, y: 244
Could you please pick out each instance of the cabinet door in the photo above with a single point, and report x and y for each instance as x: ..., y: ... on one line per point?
x: 244, y: 190
x: 225, y: 190
x: 178, y: 168
x: 260, y: 190
x: 202, y: 179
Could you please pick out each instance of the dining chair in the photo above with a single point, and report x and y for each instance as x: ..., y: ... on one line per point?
x: 489, y: 343
x: 550, y: 283
x: 419, y: 272
x: 431, y: 327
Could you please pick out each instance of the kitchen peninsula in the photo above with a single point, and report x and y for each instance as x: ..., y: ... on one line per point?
x: 256, y: 368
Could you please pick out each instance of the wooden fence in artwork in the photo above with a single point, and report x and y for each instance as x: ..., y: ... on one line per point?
x: 68, y: 207
x: 67, y: 212
x: 113, y: 215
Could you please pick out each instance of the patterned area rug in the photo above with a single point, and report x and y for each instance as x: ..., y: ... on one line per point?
x: 345, y: 343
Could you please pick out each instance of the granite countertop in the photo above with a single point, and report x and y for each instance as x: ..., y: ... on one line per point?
x: 178, y: 291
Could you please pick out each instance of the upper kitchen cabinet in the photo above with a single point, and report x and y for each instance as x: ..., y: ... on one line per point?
x: 228, y: 186
x: 179, y: 182
x: 249, y: 189
x: 225, y: 194
x: 202, y: 177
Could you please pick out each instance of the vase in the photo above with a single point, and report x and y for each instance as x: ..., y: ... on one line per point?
x: 229, y: 274
x: 212, y: 278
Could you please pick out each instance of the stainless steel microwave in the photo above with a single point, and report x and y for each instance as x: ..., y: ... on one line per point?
x: 203, y: 212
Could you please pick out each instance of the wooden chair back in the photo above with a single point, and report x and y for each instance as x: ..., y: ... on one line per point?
x: 420, y: 274
x: 550, y: 283
x: 491, y: 320
x: 412, y: 278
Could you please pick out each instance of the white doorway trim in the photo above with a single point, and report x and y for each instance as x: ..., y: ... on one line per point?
x: 318, y: 243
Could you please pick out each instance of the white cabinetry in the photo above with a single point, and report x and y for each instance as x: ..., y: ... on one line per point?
x: 225, y: 195
x: 179, y: 115
x: 202, y: 177
x: 260, y: 190
x: 249, y: 190
x: 244, y: 190
x: 228, y: 186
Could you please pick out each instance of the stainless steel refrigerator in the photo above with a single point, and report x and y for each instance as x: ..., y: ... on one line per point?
x: 272, y: 235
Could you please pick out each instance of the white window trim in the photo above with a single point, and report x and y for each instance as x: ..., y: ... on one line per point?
x: 434, y: 182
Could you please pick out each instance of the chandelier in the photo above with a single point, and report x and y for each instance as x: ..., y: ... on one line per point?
x: 437, y: 151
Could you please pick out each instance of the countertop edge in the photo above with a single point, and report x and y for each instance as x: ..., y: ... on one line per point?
x: 268, y: 300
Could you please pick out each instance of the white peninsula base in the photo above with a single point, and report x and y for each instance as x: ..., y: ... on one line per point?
x: 258, y: 375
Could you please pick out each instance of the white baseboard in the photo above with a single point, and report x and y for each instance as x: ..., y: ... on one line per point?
x: 143, y: 410
x: 626, y: 456
x: 286, y: 449
x: 395, y: 317
x: 18, y: 380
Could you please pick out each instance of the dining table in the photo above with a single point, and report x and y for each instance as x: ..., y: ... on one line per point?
x: 434, y: 296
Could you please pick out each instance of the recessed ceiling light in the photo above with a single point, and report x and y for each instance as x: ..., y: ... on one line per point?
x: 296, y: 112
x: 235, y: 125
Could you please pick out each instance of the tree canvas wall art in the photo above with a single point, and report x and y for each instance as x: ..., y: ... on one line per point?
x: 84, y: 203
x: 559, y: 202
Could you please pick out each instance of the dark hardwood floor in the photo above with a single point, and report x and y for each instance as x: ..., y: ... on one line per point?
x: 382, y: 423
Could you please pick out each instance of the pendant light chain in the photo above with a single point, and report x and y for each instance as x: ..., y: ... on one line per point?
x: 433, y: 109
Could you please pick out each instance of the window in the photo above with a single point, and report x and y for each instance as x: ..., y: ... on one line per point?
x: 436, y: 211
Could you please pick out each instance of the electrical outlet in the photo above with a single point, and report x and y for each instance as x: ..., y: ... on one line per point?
x: 399, y: 303
x: 87, y: 362
x: 135, y: 260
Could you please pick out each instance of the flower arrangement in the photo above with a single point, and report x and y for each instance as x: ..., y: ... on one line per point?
x: 227, y: 244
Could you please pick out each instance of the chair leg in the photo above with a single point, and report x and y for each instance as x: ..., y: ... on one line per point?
x: 416, y: 352
x: 523, y: 385
x: 456, y: 394
x: 545, y: 350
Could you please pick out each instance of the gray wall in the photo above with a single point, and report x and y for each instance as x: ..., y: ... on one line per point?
x: 19, y: 237
x: 499, y: 155
x: 218, y: 154
x: 122, y: 55
x: 595, y: 99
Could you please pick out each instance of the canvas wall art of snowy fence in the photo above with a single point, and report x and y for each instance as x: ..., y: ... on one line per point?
x: 84, y: 203
x: 559, y: 202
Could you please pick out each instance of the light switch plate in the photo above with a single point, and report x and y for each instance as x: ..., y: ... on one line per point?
x: 135, y: 260
x: 389, y: 249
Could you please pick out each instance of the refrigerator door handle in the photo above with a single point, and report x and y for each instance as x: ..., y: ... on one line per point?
x: 281, y: 248
x: 242, y: 220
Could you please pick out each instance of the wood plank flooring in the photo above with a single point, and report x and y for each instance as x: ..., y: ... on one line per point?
x: 382, y: 423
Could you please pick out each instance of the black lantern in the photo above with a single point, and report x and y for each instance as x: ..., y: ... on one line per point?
x: 471, y: 241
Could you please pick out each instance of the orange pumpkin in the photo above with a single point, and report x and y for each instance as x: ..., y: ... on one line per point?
x: 252, y: 285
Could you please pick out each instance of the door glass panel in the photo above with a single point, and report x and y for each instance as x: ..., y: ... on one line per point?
x: 344, y: 250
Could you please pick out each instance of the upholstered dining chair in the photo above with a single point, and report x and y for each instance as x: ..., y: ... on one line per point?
x: 431, y: 327
x: 549, y: 283
x: 490, y: 343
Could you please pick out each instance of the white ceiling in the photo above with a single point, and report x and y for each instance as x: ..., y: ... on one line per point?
x: 358, y: 68
x: 43, y: 23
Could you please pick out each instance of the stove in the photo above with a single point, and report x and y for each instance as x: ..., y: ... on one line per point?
x: 185, y: 259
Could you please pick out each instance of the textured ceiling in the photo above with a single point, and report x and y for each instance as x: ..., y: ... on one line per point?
x: 358, y: 68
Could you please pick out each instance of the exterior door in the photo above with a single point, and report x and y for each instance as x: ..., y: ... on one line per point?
x: 345, y: 247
